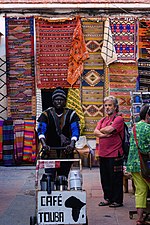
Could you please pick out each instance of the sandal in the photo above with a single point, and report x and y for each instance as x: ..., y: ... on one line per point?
x: 105, y: 203
x: 115, y: 204
x: 141, y: 222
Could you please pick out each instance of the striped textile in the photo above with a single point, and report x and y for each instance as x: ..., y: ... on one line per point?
x: 18, y: 140
x: 74, y: 102
x: 8, y: 143
x: 29, y: 151
x: 1, y: 139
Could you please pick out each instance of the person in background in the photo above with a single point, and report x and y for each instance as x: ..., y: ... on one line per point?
x: 110, y: 131
x: 133, y: 164
x: 58, y: 126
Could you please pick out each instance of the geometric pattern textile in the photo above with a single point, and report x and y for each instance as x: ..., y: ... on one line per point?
x: 124, y: 32
x: 108, y: 50
x: 53, y: 45
x: 3, y: 89
x: 122, y: 81
x: 93, y: 75
x: 74, y: 102
x: 20, y: 67
x: 144, y: 74
x: 92, y: 103
x: 144, y: 35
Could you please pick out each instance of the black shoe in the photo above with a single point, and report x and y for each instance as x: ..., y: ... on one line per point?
x: 105, y: 203
x: 115, y: 204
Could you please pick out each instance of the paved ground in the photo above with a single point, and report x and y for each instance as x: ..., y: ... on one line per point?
x: 17, y: 198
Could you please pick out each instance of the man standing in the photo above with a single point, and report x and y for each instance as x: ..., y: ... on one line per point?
x: 59, y: 127
x: 110, y: 131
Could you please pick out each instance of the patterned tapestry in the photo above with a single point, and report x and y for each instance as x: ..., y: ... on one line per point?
x: 20, y: 67
x: 53, y: 45
x: 123, y: 80
x: 3, y: 89
x: 144, y: 35
x: 124, y: 31
x: 144, y: 74
x: 93, y: 76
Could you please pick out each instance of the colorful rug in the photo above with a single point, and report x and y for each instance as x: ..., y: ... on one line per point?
x: 1, y: 139
x: 124, y: 31
x: 20, y: 67
x: 29, y: 151
x: 144, y: 74
x: 144, y: 44
x: 8, y: 143
x: 53, y: 45
x: 122, y: 81
x: 3, y: 89
x: 18, y: 140
x: 74, y: 102
x: 93, y: 76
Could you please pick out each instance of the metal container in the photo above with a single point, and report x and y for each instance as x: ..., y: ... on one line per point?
x: 75, y: 180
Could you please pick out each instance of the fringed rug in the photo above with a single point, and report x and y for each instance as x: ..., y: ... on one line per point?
x: 53, y: 44
x: 124, y: 32
x: 20, y: 67
x: 144, y: 74
x: 123, y: 80
x: 93, y: 75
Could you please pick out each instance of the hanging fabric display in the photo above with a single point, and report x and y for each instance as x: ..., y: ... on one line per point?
x: 54, y: 42
x: 20, y: 67
x: 108, y: 49
x: 124, y: 33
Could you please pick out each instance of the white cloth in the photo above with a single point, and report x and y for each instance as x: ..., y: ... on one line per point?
x: 108, y: 50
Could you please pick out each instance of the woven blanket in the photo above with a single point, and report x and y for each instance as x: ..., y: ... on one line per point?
x: 93, y: 75
x: 124, y: 32
x: 20, y: 68
x: 18, y: 140
x: 29, y: 151
x: 74, y: 102
x: 78, y: 54
x: 144, y: 44
x: 1, y: 139
x: 8, y: 143
x: 144, y: 74
x: 53, y: 45
x: 108, y: 49
x: 123, y: 80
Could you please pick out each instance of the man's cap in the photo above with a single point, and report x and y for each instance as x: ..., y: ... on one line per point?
x: 59, y: 92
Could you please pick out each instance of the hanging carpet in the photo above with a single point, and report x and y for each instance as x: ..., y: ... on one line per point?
x: 144, y: 74
x: 57, y: 45
x: 124, y: 32
x: 144, y: 36
x: 1, y: 139
x: 3, y: 89
x: 20, y: 67
x: 123, y: 80
x: 93, y: 76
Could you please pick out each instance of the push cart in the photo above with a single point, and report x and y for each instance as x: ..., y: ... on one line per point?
x: 59, y: 200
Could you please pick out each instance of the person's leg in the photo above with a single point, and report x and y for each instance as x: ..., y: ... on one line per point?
x: 141, y: 191
x: 117, y: 182
x: 105, y: 176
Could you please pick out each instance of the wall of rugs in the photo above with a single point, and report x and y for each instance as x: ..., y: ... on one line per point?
x: 91, y: 57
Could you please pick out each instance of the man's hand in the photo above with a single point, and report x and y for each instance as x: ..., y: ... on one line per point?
x: 70, y: 148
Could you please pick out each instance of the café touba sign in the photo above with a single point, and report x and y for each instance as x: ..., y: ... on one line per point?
x: 61, y: 207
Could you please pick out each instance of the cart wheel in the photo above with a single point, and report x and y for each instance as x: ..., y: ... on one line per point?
x: 32, y: 220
